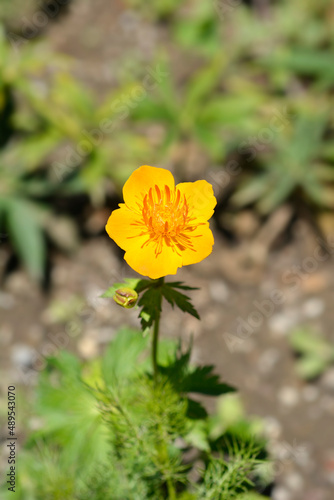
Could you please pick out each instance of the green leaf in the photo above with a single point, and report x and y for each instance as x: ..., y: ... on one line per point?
x: 179, y: 284
x: 27, y: 235
x: 69, y: 94
x: 306, y: 143
x: 212, y: 142
x: 232, y: 111
x: 200, y: 380
x: 71, y: 419
x: 121, y: 358
x: 276, y: 195
x: 306, y: 341
x: 316, y: 353
x: 153, y: 110
x: 33, y: 150
x: 203, y: 381
x: 251, y: 190
x: 179, y: 299
x: 308, y: 62
x: 309, y: 367
x: 143, y: 285
x: 195, y: 410
x: 204, y: 82
x: 198, y: 435
x: 150, y: 302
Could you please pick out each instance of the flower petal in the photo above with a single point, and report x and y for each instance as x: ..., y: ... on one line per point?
x: 200, y: 198
x: 202, y: 241
x: 124, y: 226
x: 144, y: 260
x: 140, y: 182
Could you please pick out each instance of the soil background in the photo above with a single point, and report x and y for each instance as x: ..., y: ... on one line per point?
x: 236, y: 285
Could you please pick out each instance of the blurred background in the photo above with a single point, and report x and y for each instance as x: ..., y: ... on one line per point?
x: 239, y: 93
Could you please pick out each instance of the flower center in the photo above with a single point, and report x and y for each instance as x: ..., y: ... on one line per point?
x: 166, y: 216
x: 164, y: 212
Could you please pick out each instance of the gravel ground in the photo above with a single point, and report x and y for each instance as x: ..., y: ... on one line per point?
x: 241, y: 288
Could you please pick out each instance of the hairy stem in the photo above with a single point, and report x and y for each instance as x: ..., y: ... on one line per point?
x: 171, y: 489
x: 155, y: 346
x: 155, y: 339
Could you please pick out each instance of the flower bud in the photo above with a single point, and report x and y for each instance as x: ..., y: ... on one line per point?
x: 126, y: 297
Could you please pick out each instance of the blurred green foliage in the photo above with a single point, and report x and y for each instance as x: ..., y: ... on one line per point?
x: 315, y: 354
x: 51, y: 146
x: 107, y: 431
x: 199, y: 112
x: 236, y: 82
x: 299, y: 162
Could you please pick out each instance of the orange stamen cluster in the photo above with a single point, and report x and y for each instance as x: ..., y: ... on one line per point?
x: 166, y: 217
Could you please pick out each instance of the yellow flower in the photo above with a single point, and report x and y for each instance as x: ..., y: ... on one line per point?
x: 161, y: 226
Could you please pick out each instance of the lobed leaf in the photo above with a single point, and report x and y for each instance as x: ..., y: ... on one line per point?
x: 179, y: 299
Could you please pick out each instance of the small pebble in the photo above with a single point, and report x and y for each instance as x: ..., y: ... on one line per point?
x: 294, y: 481
x: 288, y: 396
x: 313, y: 308
x: 87, y: 347
x: 282, y: 323
x: 281, y: 493
x: 22, y: 355
x: 219, y: 291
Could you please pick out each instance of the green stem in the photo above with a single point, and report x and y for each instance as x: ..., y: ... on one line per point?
x: 171, y: 489
x: 155, y: 343
x: 155, y: 347
x: 155, y: 339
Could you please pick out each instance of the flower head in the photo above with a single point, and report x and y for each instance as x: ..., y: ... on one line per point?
x: 161, y: 226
